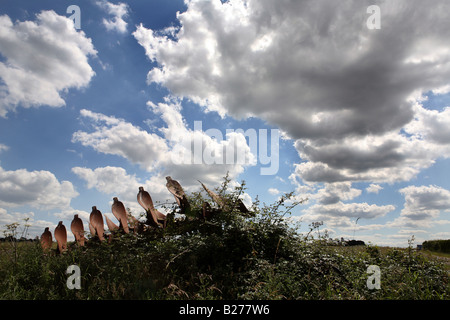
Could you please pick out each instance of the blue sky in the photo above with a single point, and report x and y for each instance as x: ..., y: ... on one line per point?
x: 363, y: 114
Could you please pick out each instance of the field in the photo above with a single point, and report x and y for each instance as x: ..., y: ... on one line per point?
x: 228, y: 256
x: 439, y: 256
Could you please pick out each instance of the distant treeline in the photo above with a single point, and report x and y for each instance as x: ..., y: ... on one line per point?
x: 21, y: 239
x: 437, y: 245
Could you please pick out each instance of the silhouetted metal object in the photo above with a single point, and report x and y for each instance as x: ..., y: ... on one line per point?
x: 92, y: 230
x: 61, y: 237
x: 46, y: 239
x: 154, y: 217
x: 217, y: 199
x: 221, y: 202
x: 78, y: 230
x: 96, y: 222
x: 206, y: 210
x: 119, y: 211
x: 135, y: 224
x: 111, y: 225
x: 241, y: 206
x: 180, y: 197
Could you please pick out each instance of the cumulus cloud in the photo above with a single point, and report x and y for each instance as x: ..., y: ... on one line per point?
x: 315, y: 61
x: 422, y: 207
x: 424, y: 202
x: 391, y: 157
x: 3, y: 147
x: 273, y: 191
x: 353, y: 210
x: 178, y: 151
x: 43, y: 59
x: 108, y: 179
x: 343, y: 216
x: 34, y: 227
x: 13, y: 217
x: 116, y: 182
x: 332, y: 207
x: 38, y: 189
x: 118, y: 11
x: 118, y: 137
x: 431, y: 125
x: 374, y: 188
x: 334, y: 192
x: 347, y: 95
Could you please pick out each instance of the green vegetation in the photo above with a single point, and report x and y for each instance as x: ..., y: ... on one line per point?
x: 229, y: 256
x: 437, y: 245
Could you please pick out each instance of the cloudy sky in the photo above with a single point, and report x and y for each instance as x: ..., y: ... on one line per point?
x: 347, y: 105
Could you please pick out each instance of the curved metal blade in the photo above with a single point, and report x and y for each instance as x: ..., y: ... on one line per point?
x: 134, y: 223
x: 241, y: 206
x: 61, y: 237
x: 92, y: 230
x: 206, y: 210
x: 175, y: 188
x: 159, y: 216
x: 46, y: 239
x: 154, y: 217
x: 217, y: 199
x: 118, y: 210
x: 111, y: 225
x: 144, y: 199
x: 180, y: 196
x: 77, y: 229
x: 96, y: 220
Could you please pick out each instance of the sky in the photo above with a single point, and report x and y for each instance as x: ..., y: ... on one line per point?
x: 345, y: 103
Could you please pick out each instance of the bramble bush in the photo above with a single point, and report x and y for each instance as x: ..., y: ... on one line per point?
x: 232, y: 255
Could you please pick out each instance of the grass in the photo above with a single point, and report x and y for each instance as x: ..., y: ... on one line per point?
x: 230, y: 256
x: 440, y: 256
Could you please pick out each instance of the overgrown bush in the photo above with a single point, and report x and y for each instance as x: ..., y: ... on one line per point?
x: 232, y: 255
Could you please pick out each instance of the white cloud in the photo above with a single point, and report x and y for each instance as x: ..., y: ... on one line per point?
x: 391, y: 157
x: 116, y: 182
x: 109, y: 180
x: 34, y: 228
x: 273, y: 191
x: 172, y: 154
x: 431, y: 125
x: 37, y: 226
x: 43, y: 59
x: 3, y: 147
x: 330, y: 207
x: 13, y: 217
x: 424, y: 202
x: 38, y: 189
x: 343, y: 92
x: 422, y: 207
x: 118, y: 137
x: 374, y: 188
x: 317, y: 63
x: 335, y: 192
x: 441, y: 235
x: 350, y: 210
x: 118, y: 11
